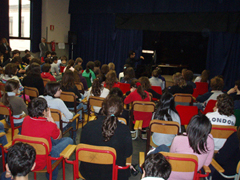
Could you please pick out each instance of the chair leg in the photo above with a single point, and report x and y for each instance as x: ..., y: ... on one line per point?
x: 63, y: 164
x: 136, y: 134
x: 35, y: 176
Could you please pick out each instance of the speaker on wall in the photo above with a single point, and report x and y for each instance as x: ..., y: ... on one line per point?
x: 72, y: 37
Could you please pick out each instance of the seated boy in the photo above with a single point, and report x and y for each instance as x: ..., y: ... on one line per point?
x: 46, y: 69
x: 156, y: 167
x: 20, y: 161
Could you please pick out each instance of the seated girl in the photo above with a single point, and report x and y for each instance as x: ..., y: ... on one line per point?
x: 52, y: 94
x: 111, y: 80
x: 15, y: 103
x: 69, y: 66
x: 107, y: 131
x: 147, y: 87
x: 129, y: 76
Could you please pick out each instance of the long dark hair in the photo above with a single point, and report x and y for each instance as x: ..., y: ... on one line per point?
x: 97, y: 85
x: 197, y: 131
x: 112, y: 108
x: 10, y: 86
x: 68, y: 80
x: 166, y: 103
x: 10, y: 69
x: 70, y: 64
x: 34, y: 70
x: 129, y: 74
x: 136, y: 84
x: 90, y: 65
x: 111, y: 79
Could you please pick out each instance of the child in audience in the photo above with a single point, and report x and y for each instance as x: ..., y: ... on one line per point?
x: 129, y: 76
x: 155, y: 81
x: 111, y: 66
x: 235, y: 91
x: 15, y: 103
x: 52, y: 94
x: 78, y: 61
x: 69, y: 66
x: 98, y: 90
x: 88, y: 72
x: 204, y: 77
x: 20, y: 162
x: 166, y: 111
x: 97, y: 65
x: 107, y: 131
x: 147, y: 87
x: 104, y: 69
x: 111, y: 80
x: 46, y: 69
x: 156, y: 167
x: 138, y: 94
x: 121, y: 74
x: 223, y: 115
x: 63, y: 61
x: 39, y: 123
x: 55, y: 70
x: 83, y: 80
x: 188, y: 76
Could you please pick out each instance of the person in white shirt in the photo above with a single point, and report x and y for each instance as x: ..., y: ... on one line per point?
x: 223, y: 115
x: 155, y: 81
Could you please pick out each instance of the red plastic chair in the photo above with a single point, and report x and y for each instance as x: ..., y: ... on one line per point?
x: 158, y: 90
x: 202, y: 87
x: 125, y: 87
x: 209, y: 107
x: 186, y: 113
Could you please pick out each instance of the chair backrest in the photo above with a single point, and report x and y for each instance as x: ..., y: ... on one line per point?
x: 184, y: 98
x: 31, y: 91
x: 125, y: 87
x: 209, y: 107
x: 2, y: 87
x: 143, y: 106
x: 95, y: 101
x: 182, y: 162
x: 122, y: 120
x: 157, y: 89
x: 4, y: 110
x: 56, y: 114
x: 45, y: 81
x: 165, y: 127
x: 202, y: 87
x: 186, y: 113
x: 40, y: 144
x: 79, y: 86
x: 68, y: 96
x: 220, y: 131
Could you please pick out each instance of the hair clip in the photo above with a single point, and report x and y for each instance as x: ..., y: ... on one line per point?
x: 138, y: 84
x: 112, y: 115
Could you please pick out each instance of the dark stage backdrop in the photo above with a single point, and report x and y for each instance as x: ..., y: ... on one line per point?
x: 98, y: 39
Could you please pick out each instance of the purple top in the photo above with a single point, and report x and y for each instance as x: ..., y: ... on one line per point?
x: 84, y: 81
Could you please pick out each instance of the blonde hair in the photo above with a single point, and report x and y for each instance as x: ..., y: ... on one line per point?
x: 179, y: 80
x: 111, y: 66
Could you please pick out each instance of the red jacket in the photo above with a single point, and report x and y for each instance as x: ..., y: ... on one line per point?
x: 47, y: 75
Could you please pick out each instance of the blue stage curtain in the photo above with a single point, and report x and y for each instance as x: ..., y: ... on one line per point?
x: 224, y: 57
x: 36, y: 24
x: 98, y: 39
x: 4, y: 19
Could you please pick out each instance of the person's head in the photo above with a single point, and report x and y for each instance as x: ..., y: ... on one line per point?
x: 27, y: 52
x: 179, y: 80
x: 116, y: 92
x: 165, y: 104
x: 15, y: 53
x: 97, y: 84
x: 112, y: 108
x: 53, y: 54
x: 197, y: 131
x: 48, y: 54
x: 129, y: 74
x: 20, y: 159
x: 188, y: 75
x: 36, y: 60
x: 52, y: 88
x: 104, y: 69
x: 97, y: 63
x: 70, y: 63
x: 145, y: 83
x: 125, y: 68
x: 55, y: 59
x: 217, y: 83
x: 183, y: 71
x: 4, y: 41
x: 111, y: 66
x: 135, y: 84
x: 28, y: 56
x: 225, y: 105
x: 34, y: 70
x: 131, y: 54
x: 78, y: 68
x: 89, y: 66
x: 78, y: 61
x: 155, y: 73
x: 43, y: 40
x: 17, y: 60
x: 205, y: 75
x: 156, y: 165
x: 68, y: 79
x: 111, y: 79
x: 10, y: 86
x: 10, y: 69
x: 237, y: 85
x: 64, y: 59
x: 37, y: 107
x: 46, y: 67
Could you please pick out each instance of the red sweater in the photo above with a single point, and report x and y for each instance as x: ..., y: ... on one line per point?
x: 48, y: 76
x: 145, y: 116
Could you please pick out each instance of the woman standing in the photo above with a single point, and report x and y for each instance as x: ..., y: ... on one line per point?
x: 5, y: 49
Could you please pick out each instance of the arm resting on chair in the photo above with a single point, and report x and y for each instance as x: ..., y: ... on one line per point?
x: 68, y: 151
x: 141, y: 158
x: 217, y: 166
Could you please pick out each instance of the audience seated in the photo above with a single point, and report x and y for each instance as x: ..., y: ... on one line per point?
x: 166, y: 111
x: 235, y: 92
x: 97, y: 65
x: 88, y: 72
x: 33, y: 78
x: 147, y: 87
x: 10, y: 73
x: 63, y: 61
x: 104, y: 69
x: 82, y: 79
x: 69, y: 66
x: 46, y: 69
x: 121, y: 74
x: 107, y: 131
x: 155, y: 81
x: 204, y: 77
x: 15, y: 53
x: 98, y: 90
x: 188, y: 76
x: 15, y: 103
x: 156, y: 167
x: 161, y: 77
x: 111, y: 80
x: 78, y: 61
x: 223, y: 115
x: 180, y: 85
x: 129, y: 75
x: 54, y: 69
x: 39, y: 123
x: 111, y: 66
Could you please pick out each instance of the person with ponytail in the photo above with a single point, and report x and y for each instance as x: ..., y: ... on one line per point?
x: 15, y: 103
x: 69, y: 66
x: 111, y: 80
x: 88, y: 72
x: 107, y: 131
x: 138, y: 94
x: 98, y: 90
